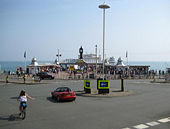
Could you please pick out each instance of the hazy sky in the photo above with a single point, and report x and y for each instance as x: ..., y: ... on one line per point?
x: 41, y: 27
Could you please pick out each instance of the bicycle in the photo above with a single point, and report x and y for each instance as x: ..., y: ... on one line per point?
x: 23, y: 111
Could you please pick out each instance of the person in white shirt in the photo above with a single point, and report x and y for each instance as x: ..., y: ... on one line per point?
x: 23, y: 99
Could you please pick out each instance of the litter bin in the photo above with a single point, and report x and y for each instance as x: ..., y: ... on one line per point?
x: 98, y: 81
x: 87, y: 86
x: 103, y: 86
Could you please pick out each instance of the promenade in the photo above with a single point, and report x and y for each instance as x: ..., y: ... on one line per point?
x: 148, y: 107
x: 66, y: 76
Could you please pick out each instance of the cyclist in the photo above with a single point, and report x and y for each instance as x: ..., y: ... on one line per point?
x: 23, y: 99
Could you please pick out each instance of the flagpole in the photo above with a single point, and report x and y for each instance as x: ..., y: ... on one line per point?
x: 25, y: 65
x: 127, y: 57
x: 25, y: 60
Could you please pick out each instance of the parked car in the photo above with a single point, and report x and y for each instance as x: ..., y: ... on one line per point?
x: 63, y: 93
x: 45, y: 75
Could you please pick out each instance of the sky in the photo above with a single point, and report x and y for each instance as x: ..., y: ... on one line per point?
x: 41, y: 27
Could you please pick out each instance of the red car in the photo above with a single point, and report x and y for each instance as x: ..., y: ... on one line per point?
x: 63, y: 93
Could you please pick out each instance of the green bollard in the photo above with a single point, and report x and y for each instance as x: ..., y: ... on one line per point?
x: 122, y: 84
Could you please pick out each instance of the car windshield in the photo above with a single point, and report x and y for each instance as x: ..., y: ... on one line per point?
x: 64, y: 89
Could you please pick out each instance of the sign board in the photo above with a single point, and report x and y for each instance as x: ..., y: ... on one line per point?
x: 71, y: 68
x: 104, y: 84
x: 80, y: 62
x: 87, y: 84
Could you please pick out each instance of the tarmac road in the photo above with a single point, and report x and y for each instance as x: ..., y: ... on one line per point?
x: 149, y: 107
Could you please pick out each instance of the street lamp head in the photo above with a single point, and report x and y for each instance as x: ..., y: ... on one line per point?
x: 104, y: 6
x: 58, y: 55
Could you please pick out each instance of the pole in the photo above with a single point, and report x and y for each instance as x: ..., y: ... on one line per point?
x: 59, y: 62
x: 25, y: 65
x: 122, y: 84
x: 58, y: 55
x: 96, y: 61
x: 127, y: 57
x: 103, y: 39
x: 104, y: 6
x: 25, y: 60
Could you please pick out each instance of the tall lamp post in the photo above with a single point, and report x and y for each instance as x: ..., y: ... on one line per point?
x: 58, y: 55
x: 104, y: 6
x: 96, y: 61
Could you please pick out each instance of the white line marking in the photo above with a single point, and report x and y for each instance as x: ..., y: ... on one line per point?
x: 141, y: 126
x: 165, y: 120
x: 153, y: 123
x: 126, y: 128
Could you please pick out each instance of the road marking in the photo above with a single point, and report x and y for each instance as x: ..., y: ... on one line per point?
x: 165, y: 120
x: 141, y: 126
x: 153, y: 123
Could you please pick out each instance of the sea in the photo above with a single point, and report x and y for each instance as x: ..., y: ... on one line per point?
x: 13, y: 65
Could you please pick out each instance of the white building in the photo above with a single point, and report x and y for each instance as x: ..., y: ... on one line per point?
x: 111, y: 60
x: 91, y: 58
x: 88, y: 58
x: 36, y: 67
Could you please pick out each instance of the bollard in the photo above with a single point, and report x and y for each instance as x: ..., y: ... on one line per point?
x: 122, y: 84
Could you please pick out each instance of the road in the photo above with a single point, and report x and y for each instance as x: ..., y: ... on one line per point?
x: 148, y: 107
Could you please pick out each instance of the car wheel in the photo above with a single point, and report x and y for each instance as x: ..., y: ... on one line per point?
x: 58, y: 99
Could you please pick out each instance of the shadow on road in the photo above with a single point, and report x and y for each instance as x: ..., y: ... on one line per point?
x: 12, y: 117
x: 117, y: 91
x: 51, y: 100
x: 13, y: 97
x: 55, y: 101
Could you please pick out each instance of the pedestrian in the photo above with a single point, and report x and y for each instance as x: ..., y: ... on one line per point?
x: 7, y: 79
x: 24, y: 77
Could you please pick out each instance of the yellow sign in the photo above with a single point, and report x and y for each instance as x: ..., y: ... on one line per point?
x: 104, y: 84
x: 71, y: 68
x: 87, y: 84
x: 80, y: 62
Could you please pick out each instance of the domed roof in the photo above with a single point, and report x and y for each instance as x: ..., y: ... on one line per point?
x: 111, y: 60
x: 34, y: 61
x: 120, y: 62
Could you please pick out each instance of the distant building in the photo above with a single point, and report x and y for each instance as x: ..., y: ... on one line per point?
x: 120, y: 62
x: 36, y: 67
x: 91, y: 58
x: 111, y: 60
x: 88, y: 58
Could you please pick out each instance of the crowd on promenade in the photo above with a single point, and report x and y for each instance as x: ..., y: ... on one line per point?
x: 90, y: 73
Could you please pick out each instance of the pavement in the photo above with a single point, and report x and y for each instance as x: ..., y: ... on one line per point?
x: 147, y: 107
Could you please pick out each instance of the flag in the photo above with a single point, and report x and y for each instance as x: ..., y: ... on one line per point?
x: 126, y: 54
x: 25, y: 54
